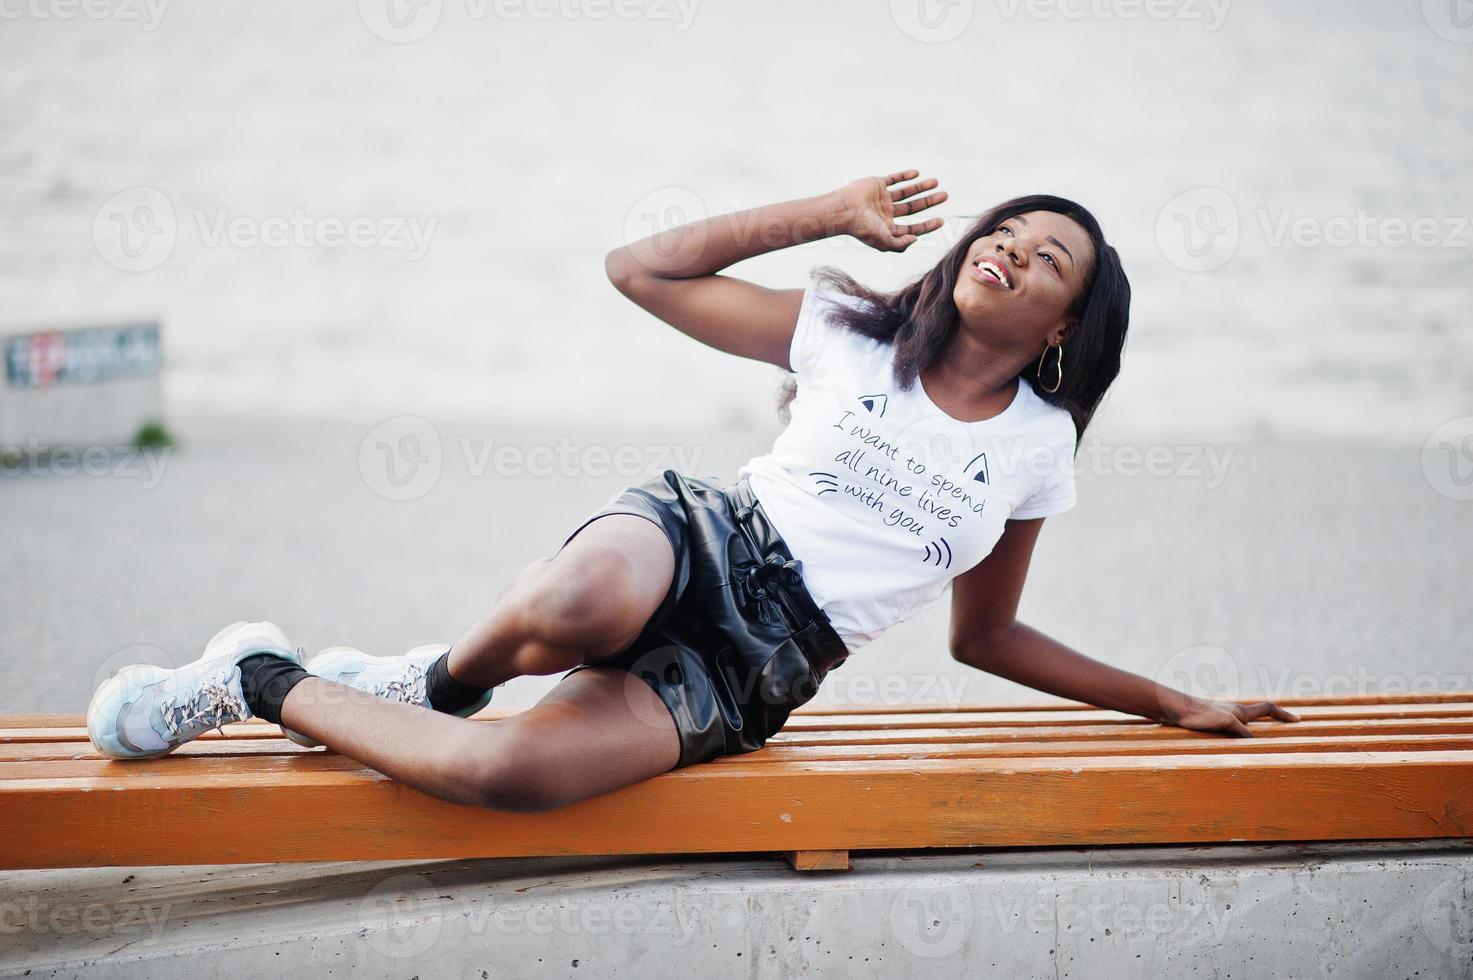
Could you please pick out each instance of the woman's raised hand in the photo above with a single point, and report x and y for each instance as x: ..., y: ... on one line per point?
x: 871, y: 205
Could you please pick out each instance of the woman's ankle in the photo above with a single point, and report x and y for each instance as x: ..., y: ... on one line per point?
x: 445, y: 693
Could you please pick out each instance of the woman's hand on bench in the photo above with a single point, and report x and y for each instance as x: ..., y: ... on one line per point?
x: 1226, y: 716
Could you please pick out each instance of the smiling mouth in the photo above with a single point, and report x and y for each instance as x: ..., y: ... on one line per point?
x: 989, y: 268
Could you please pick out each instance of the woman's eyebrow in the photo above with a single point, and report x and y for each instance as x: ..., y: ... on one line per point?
x: 1062, y: 247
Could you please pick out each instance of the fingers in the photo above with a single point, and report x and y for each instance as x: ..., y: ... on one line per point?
x: 919, y: 228
x: 901, y: 193
x: 1282, y: 714
x: 900, y: 175
x: 1267, y: 709
x: 903, y: 236
x: 920, y: 204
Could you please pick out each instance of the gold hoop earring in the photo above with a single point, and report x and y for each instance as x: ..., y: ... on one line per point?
x: 1059, y: 383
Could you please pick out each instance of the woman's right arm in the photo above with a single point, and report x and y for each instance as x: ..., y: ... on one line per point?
x: 674, y: 273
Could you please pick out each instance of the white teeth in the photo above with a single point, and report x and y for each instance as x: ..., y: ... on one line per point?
x: 992, y: 268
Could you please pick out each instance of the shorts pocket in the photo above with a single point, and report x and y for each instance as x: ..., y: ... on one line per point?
x: 722, y: 677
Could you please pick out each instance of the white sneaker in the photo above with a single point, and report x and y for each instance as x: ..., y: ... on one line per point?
x: 145, y: 711
x: 400, y: 678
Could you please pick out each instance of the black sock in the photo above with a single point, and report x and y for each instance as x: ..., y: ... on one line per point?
x: 447, y: 694
x: 265, y: 679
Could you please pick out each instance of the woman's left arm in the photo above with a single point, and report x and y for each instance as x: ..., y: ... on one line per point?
x: 986, y: 634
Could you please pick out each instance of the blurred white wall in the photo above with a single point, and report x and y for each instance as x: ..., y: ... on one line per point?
x: 492, y: 161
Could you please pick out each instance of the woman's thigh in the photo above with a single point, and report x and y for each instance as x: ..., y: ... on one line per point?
x: 599, y: 729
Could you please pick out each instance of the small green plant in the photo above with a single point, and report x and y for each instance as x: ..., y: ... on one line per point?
x: 153, y: 435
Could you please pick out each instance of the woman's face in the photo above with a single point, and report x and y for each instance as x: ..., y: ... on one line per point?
x: 1023, y: 278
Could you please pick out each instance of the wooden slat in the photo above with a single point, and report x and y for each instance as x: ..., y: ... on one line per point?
x: 1456, y: 712
x: 778, y: 755
x: 1125, y: 734
x: 267, y: 742
x: 284, y: 757
x: 961, y: 719
x: 1423, y: 697
x: 493, y: 712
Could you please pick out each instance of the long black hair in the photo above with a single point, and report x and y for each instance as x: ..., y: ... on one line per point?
x: 919, y: 319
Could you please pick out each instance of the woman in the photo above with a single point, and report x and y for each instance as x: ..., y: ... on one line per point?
x: 932, y: 432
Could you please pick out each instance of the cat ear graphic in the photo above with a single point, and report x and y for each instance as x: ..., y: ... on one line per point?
x: 980, y: 461
x: 874, y: 403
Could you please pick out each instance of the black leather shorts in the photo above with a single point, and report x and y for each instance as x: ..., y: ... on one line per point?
x: 738, y: 642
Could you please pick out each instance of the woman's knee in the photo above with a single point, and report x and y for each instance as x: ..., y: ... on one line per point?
x: 589, y: 598
x: 510, y: 775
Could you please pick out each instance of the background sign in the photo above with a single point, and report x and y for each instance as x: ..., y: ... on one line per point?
x: 84, y: 356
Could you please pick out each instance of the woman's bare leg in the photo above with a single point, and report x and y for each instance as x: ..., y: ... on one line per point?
x: 588, y: 601
x: 599, y: 729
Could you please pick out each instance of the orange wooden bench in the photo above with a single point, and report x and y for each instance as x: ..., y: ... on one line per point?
x: 833, y: 781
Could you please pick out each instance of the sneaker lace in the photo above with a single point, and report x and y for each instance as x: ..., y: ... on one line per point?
x: 408, y: 686
x: 210, y: 705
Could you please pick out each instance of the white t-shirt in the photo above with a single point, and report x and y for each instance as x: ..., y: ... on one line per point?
x: 883, y: 497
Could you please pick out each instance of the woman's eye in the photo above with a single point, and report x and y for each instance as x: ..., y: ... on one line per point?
x: 1050, y: 259
x: 1006, y: 229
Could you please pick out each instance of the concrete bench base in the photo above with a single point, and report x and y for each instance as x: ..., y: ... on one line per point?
x: 1246, y: 911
